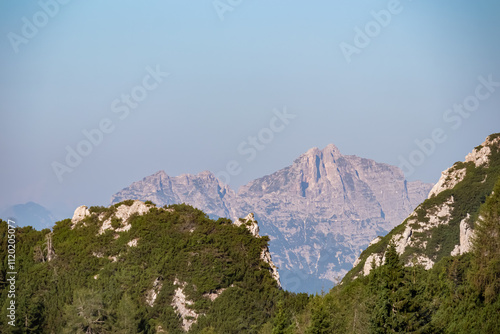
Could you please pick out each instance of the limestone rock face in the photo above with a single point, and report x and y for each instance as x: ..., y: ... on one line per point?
x: 437, y: 215
x: 266, y: 257
x: 373, y: 261
x: 423, y: 261
x: 449, y: 178
x: 51, y: 254
x: 154, y: 291
x: 480, y: 156
x: 80, y: 213
x: 181, y: 303
x: 319, y: 212
x: 123, y: 212
x: 250, y: 223
x: 374, y: 241
x: 403, y: 240
x: 466, y: 235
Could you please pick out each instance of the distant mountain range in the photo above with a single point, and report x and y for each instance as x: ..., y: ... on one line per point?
x: 320, y: 212
x: 30, y: 214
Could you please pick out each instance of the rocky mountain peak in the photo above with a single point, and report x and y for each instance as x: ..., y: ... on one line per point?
x: 329, y: 149
x: 80, y: 213
x: 206, y: 173
x: 250, y: 223
x: 315, y: 156
x: 480, y: 156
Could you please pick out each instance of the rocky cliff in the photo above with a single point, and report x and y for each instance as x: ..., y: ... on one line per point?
x: 319, y: 212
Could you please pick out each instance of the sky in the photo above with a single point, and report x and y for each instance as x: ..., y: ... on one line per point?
x: 98, y: 94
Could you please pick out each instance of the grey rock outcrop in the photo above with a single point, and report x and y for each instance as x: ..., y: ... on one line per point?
x: 402, y: 240
x: 123, y: 212
x: 319, y: 212
x: 181, y: 305
x: 152, y: 294
x: 466, y: 235
x: 373, y: 261
x: 49, y: 247
x: 480, y: 156
x: 265, y: 256
x: 250, y: 223
x: 80, y: 213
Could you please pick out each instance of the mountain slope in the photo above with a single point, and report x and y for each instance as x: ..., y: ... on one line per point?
x: 443, y: 224
x: 320, y: 212
x: 135, y: 268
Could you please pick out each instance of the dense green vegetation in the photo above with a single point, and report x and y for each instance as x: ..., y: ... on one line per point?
x: 83, y: 289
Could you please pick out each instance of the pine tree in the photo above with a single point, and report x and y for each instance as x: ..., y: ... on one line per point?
x: 282, y: 323
x: 397, y: 308
x: 127, y: 316
x: 86, y: 314
x: 486, y: 247
x: 321, y: 323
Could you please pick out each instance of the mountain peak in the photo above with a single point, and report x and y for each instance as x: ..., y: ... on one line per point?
x: 312, y: 151
x: 329, y: 149
x: 206, y: 174
x: 30, y: 214
x: 160, y: 173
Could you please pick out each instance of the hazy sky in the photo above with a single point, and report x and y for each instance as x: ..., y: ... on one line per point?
x: 372, y: 77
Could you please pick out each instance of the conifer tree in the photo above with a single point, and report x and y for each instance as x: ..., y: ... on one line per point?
x: 397, y: 308
x: 86, y: 314
x: 321, y: 323
x: 486, y: 247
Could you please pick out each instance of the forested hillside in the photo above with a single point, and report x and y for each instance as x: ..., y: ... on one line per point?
x: 172, y: 270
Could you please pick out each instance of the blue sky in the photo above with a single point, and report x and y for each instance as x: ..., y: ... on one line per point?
x: 227, y: 79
